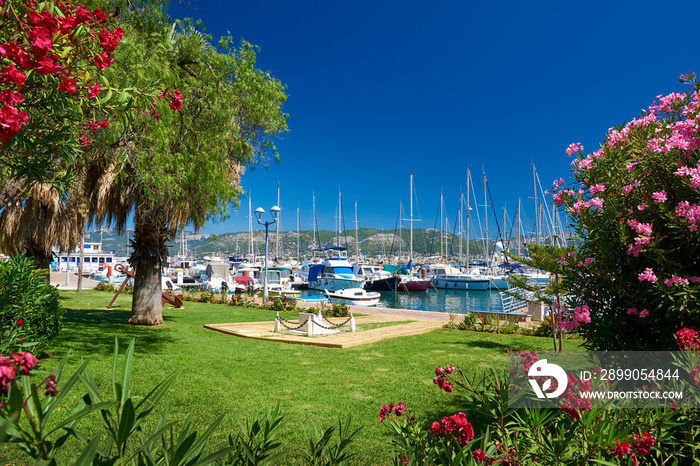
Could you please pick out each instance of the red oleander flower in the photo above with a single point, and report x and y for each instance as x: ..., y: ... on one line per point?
x: 479, y: 456
x: 7, y: 373
x: 51, y: 389
x: 24, y: 361
x: 621, y: 449
x: 10, y: 74
x: 67, y: 85
x: 94, y: 91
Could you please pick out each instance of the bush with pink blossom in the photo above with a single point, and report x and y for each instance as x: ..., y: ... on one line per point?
x: 636, y: 207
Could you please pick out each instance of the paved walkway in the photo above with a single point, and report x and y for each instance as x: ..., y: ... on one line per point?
x: 58, y: 279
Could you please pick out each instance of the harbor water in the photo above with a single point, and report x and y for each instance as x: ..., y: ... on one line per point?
x: 448, y: 301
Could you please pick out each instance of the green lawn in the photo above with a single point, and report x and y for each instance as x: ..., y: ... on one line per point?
x: 218, y: 373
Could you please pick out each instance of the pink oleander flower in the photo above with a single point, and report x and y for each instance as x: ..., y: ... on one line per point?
x: 597, y: 188
x: 643, y: 229
x: 597, y: 202
x: 573, y: 148
x: 643, y: 313
x: 24, y: 361
x: 7, y: 373
x: 647, y: 275
x: 632, y: 310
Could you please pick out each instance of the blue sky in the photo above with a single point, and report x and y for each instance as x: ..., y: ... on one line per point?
x: 379, y: 90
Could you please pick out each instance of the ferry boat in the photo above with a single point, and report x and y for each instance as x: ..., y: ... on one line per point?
x: 95, y: 259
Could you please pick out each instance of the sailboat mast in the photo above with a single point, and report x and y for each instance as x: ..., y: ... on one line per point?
x: 468, y: 176
x: 277, y: 224
x: 298, y: 256
x: 357, y: 242
x: 534, y: 190
x: 313, y: 206
x: 486, y: 224
x: 250, y: 229
x: 442, y: 222
x: 517, y: 232
x: 337, y: 231
x: 461, y: 225
x: 411, y: 220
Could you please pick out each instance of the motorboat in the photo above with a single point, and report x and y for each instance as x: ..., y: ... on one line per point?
x: 279, y: 282
x: 354, y: 297
x: 333, y: 274
x: 375, y: 278
x: 452, y: 278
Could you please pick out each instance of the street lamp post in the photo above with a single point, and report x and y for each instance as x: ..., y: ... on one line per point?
x: 259, y: 212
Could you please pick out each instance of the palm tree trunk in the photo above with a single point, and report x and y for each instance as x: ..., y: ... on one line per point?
x: 149, y: 254
x: 146, y: 306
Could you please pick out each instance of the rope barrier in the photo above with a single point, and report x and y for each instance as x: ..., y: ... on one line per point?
x: 299, y: 326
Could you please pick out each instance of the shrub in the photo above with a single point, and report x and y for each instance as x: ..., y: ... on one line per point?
x: 25, y: 296
x: 636, y: 207
x: 337, y: 310
x: 491, y: 432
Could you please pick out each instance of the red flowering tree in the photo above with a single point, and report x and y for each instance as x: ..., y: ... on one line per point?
x: 51, y: 94
x: 636, y: 207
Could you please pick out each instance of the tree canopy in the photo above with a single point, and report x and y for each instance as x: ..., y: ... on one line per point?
x: 179, y: 161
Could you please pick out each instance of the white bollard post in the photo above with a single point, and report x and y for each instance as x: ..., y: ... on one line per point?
x: 309, y: 325
x: 277, y: 323
x: 352, y: 323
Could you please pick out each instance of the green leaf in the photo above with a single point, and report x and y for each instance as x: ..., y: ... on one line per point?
x: 126, y: 423
x: 85, y: 459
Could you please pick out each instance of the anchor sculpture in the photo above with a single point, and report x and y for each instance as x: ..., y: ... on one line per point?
x: 131, y: 273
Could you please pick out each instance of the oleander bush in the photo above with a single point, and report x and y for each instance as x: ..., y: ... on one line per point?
x: 26, y: 296
x: 635, y: 204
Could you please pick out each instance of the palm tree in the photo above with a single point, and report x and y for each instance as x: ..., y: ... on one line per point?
x: 40, y: 217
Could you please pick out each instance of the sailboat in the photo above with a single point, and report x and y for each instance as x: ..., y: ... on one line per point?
x: 452, y: 278
x: 409, y: 282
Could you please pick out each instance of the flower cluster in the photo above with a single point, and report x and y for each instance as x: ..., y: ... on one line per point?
x: 441, y: 377
x: 572, y: 403
x: 16, y: 364
x: 455, y: 426
x: 687, y: 339
x: 570, y: 320
x: 38, y: 41
x: 641, y: 445
x: 386, y: 410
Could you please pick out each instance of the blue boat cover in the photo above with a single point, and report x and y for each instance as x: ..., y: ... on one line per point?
x: 314, y: 270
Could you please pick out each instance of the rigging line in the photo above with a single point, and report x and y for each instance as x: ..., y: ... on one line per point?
x: 478, y: 217
x: 420, y: 219
x: 498, y: 228
x: 345, y: 231
x: 432, y: 239
x: 454, y: 230
x: 396, y: 226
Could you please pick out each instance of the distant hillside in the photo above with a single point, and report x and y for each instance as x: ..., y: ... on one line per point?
x: 372, y: 242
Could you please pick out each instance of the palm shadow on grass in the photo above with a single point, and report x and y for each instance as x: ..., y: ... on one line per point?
x: 93, y: 331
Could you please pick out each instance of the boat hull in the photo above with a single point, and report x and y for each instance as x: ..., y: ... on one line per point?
x: 460, y: 283
x: 382, y: 284
x: 415, y: 285
x: 334, y: 284
x: 354, y: 297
